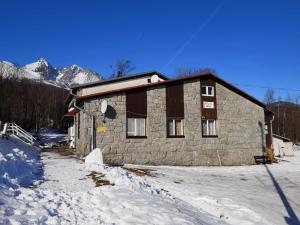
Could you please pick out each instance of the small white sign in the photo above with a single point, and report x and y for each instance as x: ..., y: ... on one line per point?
x: 208, y: 105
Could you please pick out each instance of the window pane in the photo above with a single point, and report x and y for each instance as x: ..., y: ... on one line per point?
x: 210, y: 90
x: 171, y: 131
x: 209, y: 127
x: 212, y: 127
x: 203, y: 90
x: 215, y: 128
x: 130, y: 127
x: 178, y: 127
x: 204, y: 128
x: 140, y: 125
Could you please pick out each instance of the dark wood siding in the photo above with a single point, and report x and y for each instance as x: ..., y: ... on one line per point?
x: 174, y: 101
x: 136, y: 104
x: 269, y: 135
x: 209, y: 113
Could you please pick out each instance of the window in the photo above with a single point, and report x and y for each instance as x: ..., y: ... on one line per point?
x: 175, y: 128
x: 209, y: 128
x: 175, y: 110
x: 136, y: 113
x: 136, y: 127
x: 207, y: 91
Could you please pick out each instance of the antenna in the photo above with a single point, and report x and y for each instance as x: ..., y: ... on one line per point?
x: 154, y: 79
x: 103, y: 107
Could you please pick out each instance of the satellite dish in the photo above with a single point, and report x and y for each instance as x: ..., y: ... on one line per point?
x: 154, y: 79
x: 103, y: 106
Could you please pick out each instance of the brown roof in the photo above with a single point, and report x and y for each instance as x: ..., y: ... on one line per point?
x: 197, y: 76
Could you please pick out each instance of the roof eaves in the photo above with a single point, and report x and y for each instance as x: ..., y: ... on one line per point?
x: 197, y: 76
x: 102, y: 82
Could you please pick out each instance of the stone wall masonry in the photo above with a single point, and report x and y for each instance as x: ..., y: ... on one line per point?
x: 240, y: 135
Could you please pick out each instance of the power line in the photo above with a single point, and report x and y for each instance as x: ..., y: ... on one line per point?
x: 198, y: 30
x: 267, y: 87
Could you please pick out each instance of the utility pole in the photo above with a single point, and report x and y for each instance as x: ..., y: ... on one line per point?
x: 278, y: 118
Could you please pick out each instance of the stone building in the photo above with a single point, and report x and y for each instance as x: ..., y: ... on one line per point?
x: 191, y: 121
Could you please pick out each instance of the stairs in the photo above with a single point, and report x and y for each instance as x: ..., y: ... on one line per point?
x: 12, y: 129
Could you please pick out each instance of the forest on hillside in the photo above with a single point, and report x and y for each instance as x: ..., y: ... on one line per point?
x: 287, y: 120
x: 31, y: 104
x: 287, y: 114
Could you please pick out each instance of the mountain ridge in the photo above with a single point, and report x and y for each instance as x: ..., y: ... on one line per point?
x: 42, y: 70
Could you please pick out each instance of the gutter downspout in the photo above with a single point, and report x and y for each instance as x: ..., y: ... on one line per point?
x: 74, y: 103
x: 271, y: 129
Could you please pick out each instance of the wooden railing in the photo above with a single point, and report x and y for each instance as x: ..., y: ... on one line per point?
x: 20, y: 133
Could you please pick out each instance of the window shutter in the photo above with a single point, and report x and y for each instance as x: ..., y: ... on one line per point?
x: 136, y: 104
x: 174, y: 101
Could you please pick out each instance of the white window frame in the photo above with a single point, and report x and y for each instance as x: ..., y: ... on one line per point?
x: 135, y: 134
x: 206, y: 91
x: 174, y: 127
x: 214, y: 133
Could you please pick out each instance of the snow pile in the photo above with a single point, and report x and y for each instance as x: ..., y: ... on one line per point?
x: 20, y: 167
x: 117, y: 175
x: 19, y: 164
x: 94, y: 158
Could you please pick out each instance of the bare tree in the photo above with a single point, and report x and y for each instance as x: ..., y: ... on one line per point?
x: 287, y: 119
x: 122, y: 68
x: 189, y: 71
x: 269, y: 96
x: 31, y: 104
x: 297, y: 99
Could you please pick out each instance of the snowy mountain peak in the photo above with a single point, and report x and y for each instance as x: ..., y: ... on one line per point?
x: 76, y: 75
x: 74, y: 66
x: 43, y: 71
x: 8, y: 63
x: 8, y: 69
x: 42, y: 60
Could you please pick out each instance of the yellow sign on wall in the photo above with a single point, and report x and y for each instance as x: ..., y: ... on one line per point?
x: 101, y: 129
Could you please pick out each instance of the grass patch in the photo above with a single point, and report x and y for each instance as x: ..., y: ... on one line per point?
x: 140, y: 172
x: 98, y: 179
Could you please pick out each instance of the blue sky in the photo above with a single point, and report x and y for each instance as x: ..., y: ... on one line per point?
x: 244, y: 41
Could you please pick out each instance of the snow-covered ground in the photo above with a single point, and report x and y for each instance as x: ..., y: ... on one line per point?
x: 49, y: 137
x: 258, y: 194
x: 69, y: 196
x: 19, y: 164
x: 174, y: 195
